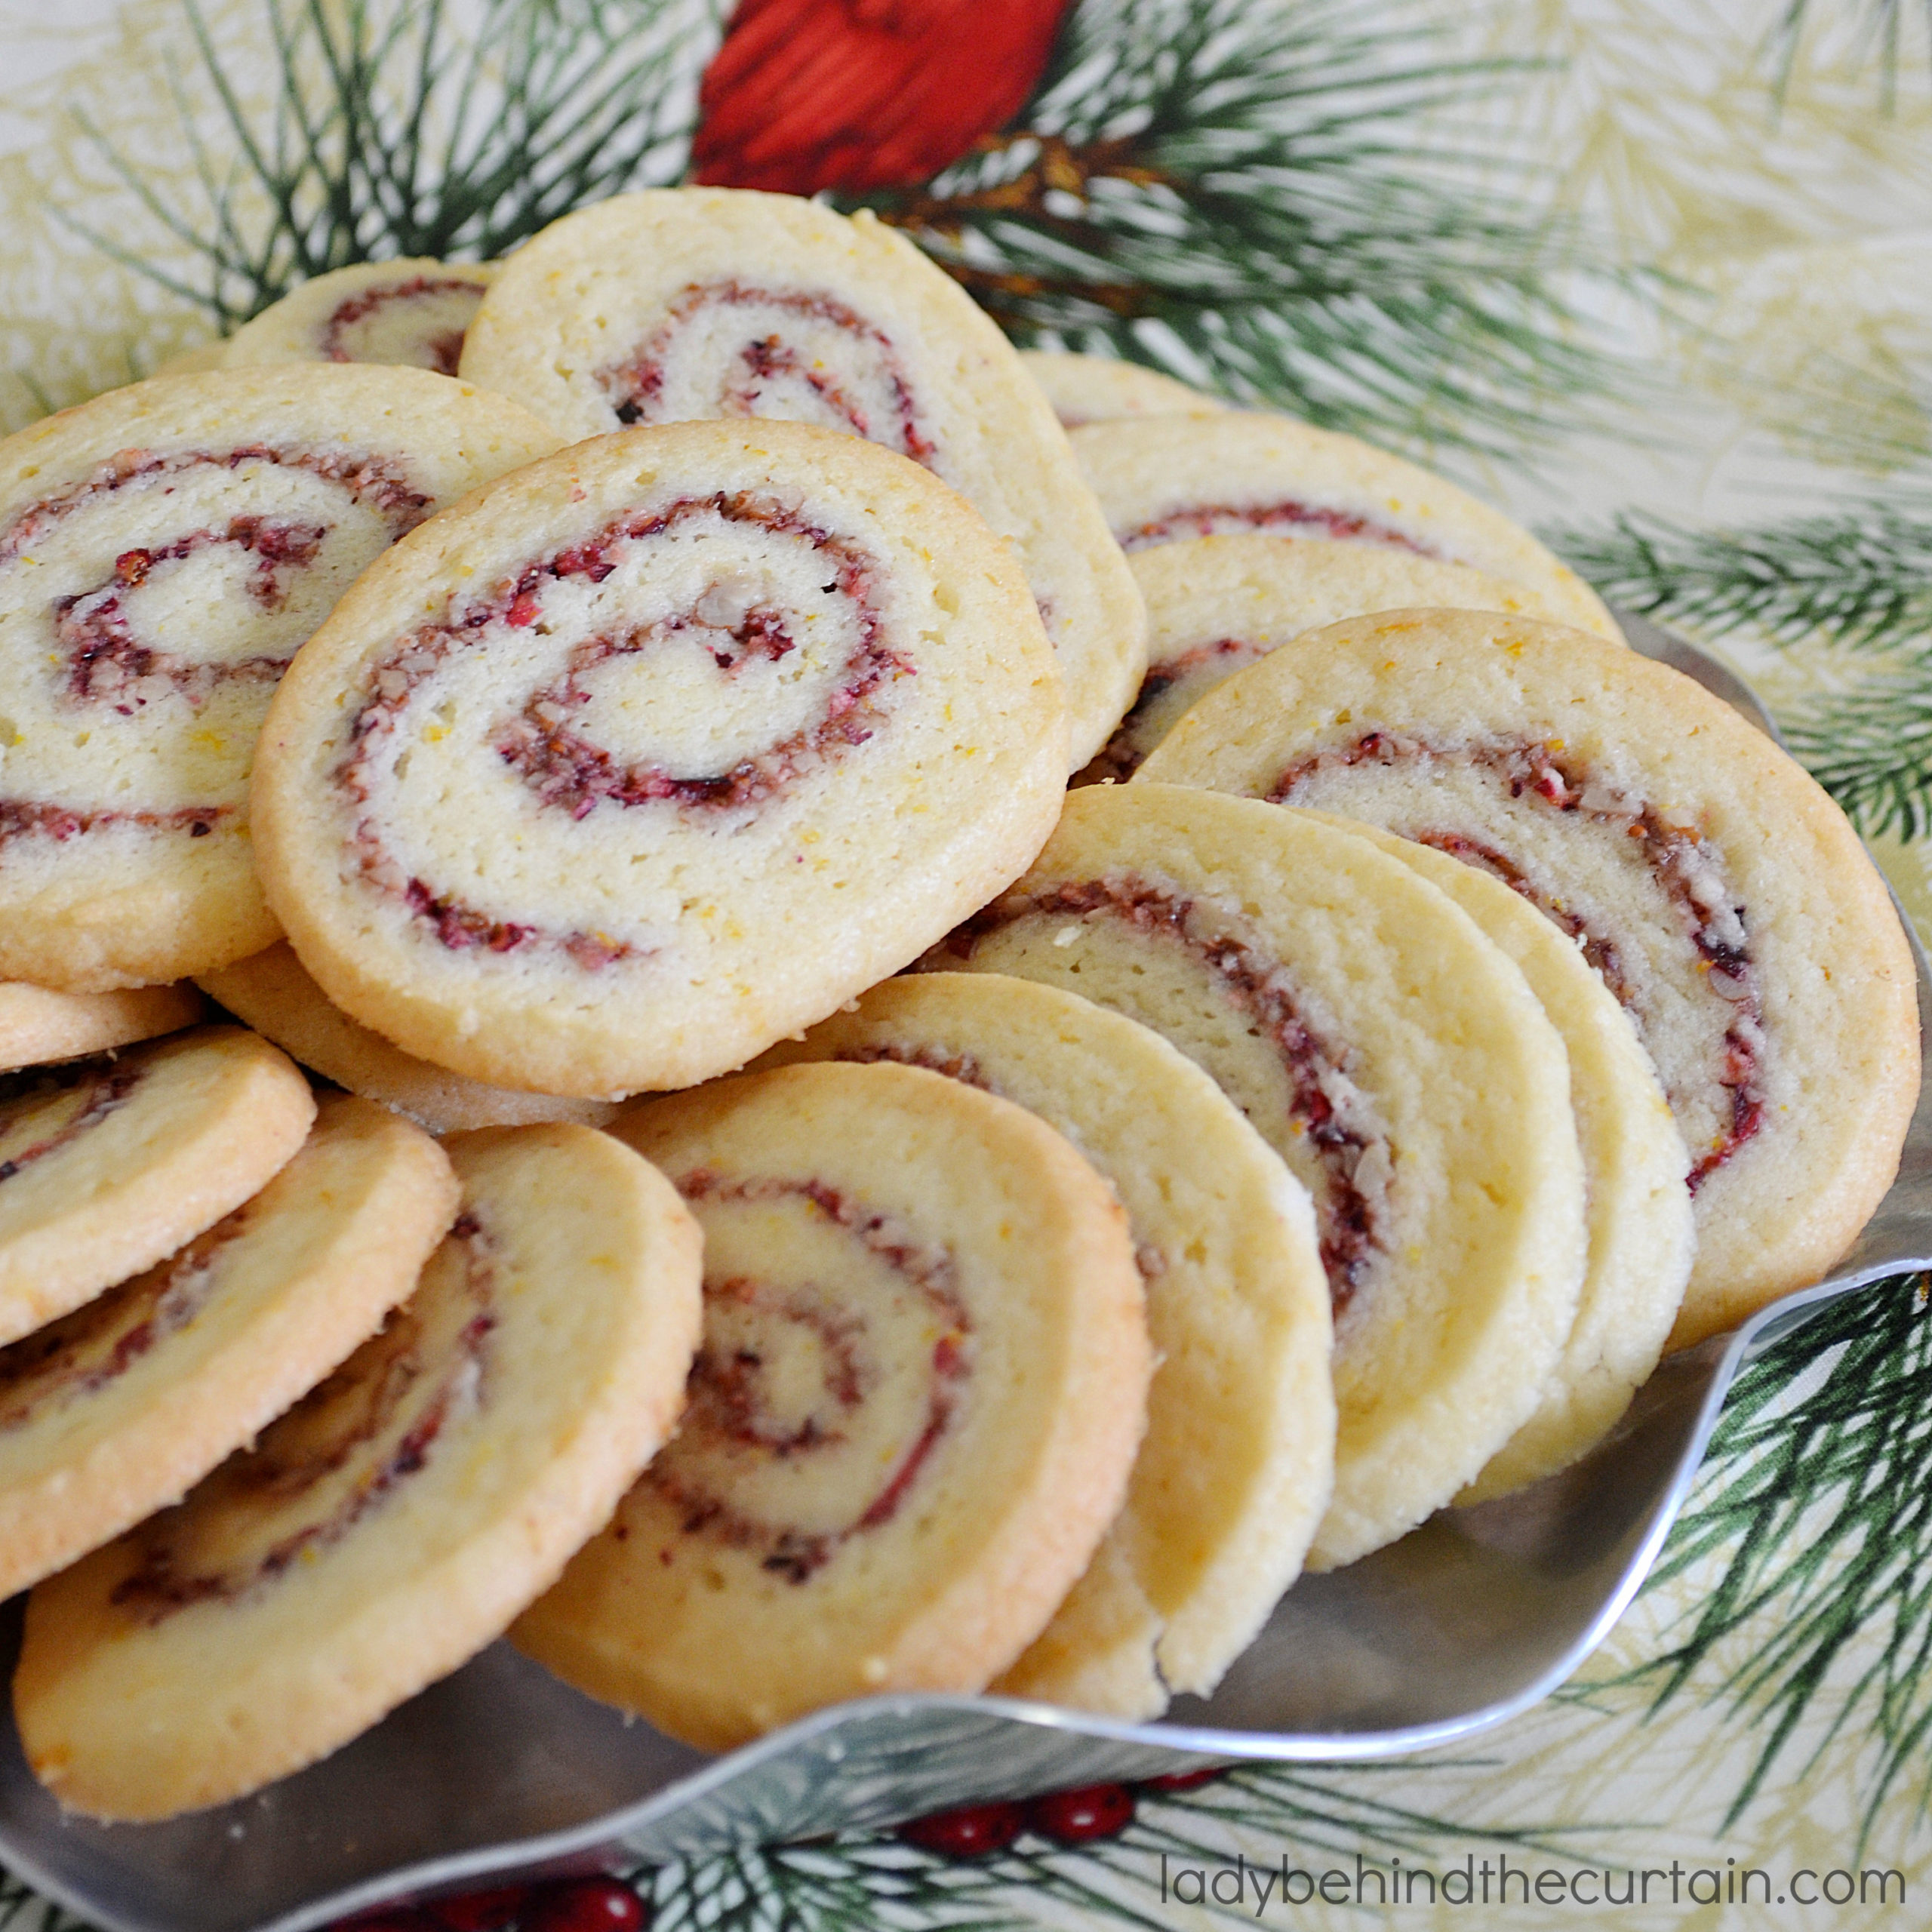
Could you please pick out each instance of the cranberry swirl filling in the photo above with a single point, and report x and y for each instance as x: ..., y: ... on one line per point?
x: 343, y: 1450
x: 122, y: 627
x: 441, y: 306
x: 550, y: 742
x: 1284, y: 517
x: 844, y: 1388
x: 727, y: 349
x: 30, y: 1131
x: 1187, y: 675
x: 1329, y: 1114
x: 87, y: 1352
x: 1687, y: 870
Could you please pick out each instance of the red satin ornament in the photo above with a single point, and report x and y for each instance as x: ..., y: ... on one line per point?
x: 859, y: 94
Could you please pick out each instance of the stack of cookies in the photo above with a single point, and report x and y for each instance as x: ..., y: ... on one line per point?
x: 818, y: 1206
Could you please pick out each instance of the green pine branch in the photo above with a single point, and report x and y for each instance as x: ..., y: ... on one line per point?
x: 1817, y: 1495
x: 1232, y: 190
x: 1882, y: 28
x: 1860, y: 576
x: 1857, y: 578
x: 393, y: 134
x: 1872, y: 749
x: 857, y: 1883
x: 1236, y: 193
x: 23, y: 1909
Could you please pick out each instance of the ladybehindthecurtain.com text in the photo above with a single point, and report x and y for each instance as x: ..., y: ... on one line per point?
x: 1497, y: 1882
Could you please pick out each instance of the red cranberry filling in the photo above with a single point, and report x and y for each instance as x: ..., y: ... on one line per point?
x: 371, y: 481
x: 1347, y: 1216
x: 1124, y: 753
x: 85, y: 1353
x: 444, y: 348
x: 322, y: 1435
x: 560, y: 763
x: 105, y: 1091
x: 110, y: 663
x: 962, y: 1067
x: 727, y: 1401
x: 1687, y: 869
x: 1285, y: 518
x: 766, y: 365
x: 20, y: 820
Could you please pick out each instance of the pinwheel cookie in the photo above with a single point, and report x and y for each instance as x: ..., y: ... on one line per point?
x: 1721, y: 896
x: 273, y: 993
x: 1216, y: 603
x: 1393, y: 1057
x: 675, y: 304
x: 1100, y: 389
x: 116, y: 1410
x: 411, y: 312
x: 656, y: 752
x: 113, y: 1164
x: 163, y: 551
x: 1634, y: 1165
x: 398, y: 1518
x: 922, y: 1382
x: 38, y: 1026
x: 1235, y: 1471
x: 1163, y: 479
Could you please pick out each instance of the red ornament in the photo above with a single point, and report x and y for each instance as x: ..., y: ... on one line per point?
x: 1074, y: 1817
x: 584, y: 1905
x: 1183, y: 1780
x: 972, y: 1832
x: 481, y: 1912
x: 859, y: 94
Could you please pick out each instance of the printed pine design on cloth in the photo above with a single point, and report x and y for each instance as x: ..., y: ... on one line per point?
x: 1655, y: 278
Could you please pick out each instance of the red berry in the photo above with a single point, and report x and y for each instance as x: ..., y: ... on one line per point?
x: 1183, y: 1780
x: 972, y: 1832
x: 1098, y: 1811
x: 481, y: 1912
x: 388, y: 1919
x: 584, y: 1905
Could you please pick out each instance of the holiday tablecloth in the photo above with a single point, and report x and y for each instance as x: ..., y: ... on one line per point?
x: 1656, y: 275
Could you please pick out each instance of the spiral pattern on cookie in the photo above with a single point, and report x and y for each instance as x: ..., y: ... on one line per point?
x: 1163, y: 479
x: 412, y: 313
x: 52, y: 1117
x: 339, y: 1454
x: 419, y: 321
x: 84, y: 1352
x: 814, y: 1406
x: 784, y: 641
x: 1283, y: 517
x: 667, y: 306
x: 1148, y: 716
x: 726, y: 349
x: 1714, y: 1078
x: 1350, y: 1165
x: 242, y: 550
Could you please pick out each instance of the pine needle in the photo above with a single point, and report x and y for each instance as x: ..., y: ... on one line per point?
x: 1857, y: 580
x: 1859, y: 576
x: 1882, y: 25
x: 391, y: 134
x: 1234, y: 193
x: 1820, y: 1503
